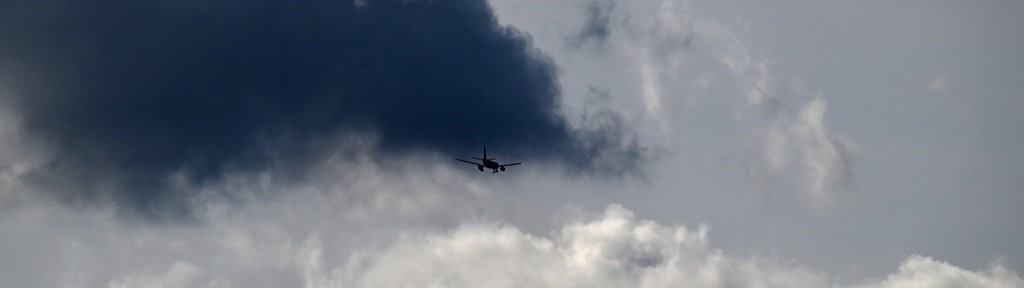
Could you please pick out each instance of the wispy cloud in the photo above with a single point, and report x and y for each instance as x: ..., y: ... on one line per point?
x: 596, y: 25
x: 789, y: 123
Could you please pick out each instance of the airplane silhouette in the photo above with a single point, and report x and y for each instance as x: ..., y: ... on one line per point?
x: 488, y: 163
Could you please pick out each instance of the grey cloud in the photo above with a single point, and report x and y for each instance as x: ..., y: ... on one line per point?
x: 133, y: 97
x: 596, y: 24
x: 794, y: 145
x: 801, y: 141
x: 180, y: 274
x: 601, y: 127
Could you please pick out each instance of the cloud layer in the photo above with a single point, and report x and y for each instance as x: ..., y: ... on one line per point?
x: 266, y: 246
x: 613, y: 250
x: 131, y: 95
x: 350, y: 194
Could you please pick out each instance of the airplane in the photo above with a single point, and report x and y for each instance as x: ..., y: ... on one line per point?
x: 488, y: 163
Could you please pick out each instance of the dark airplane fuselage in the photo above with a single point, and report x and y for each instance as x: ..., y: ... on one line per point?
x: 488, y: 163
x: 491, y: 164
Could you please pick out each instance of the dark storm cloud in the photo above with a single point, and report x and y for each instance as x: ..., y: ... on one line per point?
x: 130, y: 93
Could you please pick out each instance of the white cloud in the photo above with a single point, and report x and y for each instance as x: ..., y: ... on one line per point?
x: 825, y: 156
x: 921, y: 271
x: 329, y: 239
x: 614, y: 250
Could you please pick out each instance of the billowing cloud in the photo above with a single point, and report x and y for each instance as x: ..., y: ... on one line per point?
x: 303, y: 241
x: 133, y: 97
x: 614, y: 250
x: 921, y: 271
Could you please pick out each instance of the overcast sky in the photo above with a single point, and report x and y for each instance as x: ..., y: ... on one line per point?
x: 665, y: 143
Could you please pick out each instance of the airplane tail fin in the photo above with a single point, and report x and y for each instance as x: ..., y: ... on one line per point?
x: 485, y: 156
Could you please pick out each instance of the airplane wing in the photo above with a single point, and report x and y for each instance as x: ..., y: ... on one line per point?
x: 470, y: 162
x: 512, y: 164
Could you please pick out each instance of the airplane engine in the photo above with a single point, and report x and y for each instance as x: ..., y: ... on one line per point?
x: 480, y: 167
x: 502, y: 168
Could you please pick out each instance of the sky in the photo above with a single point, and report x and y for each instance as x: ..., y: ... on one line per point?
x: 664, y: 143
